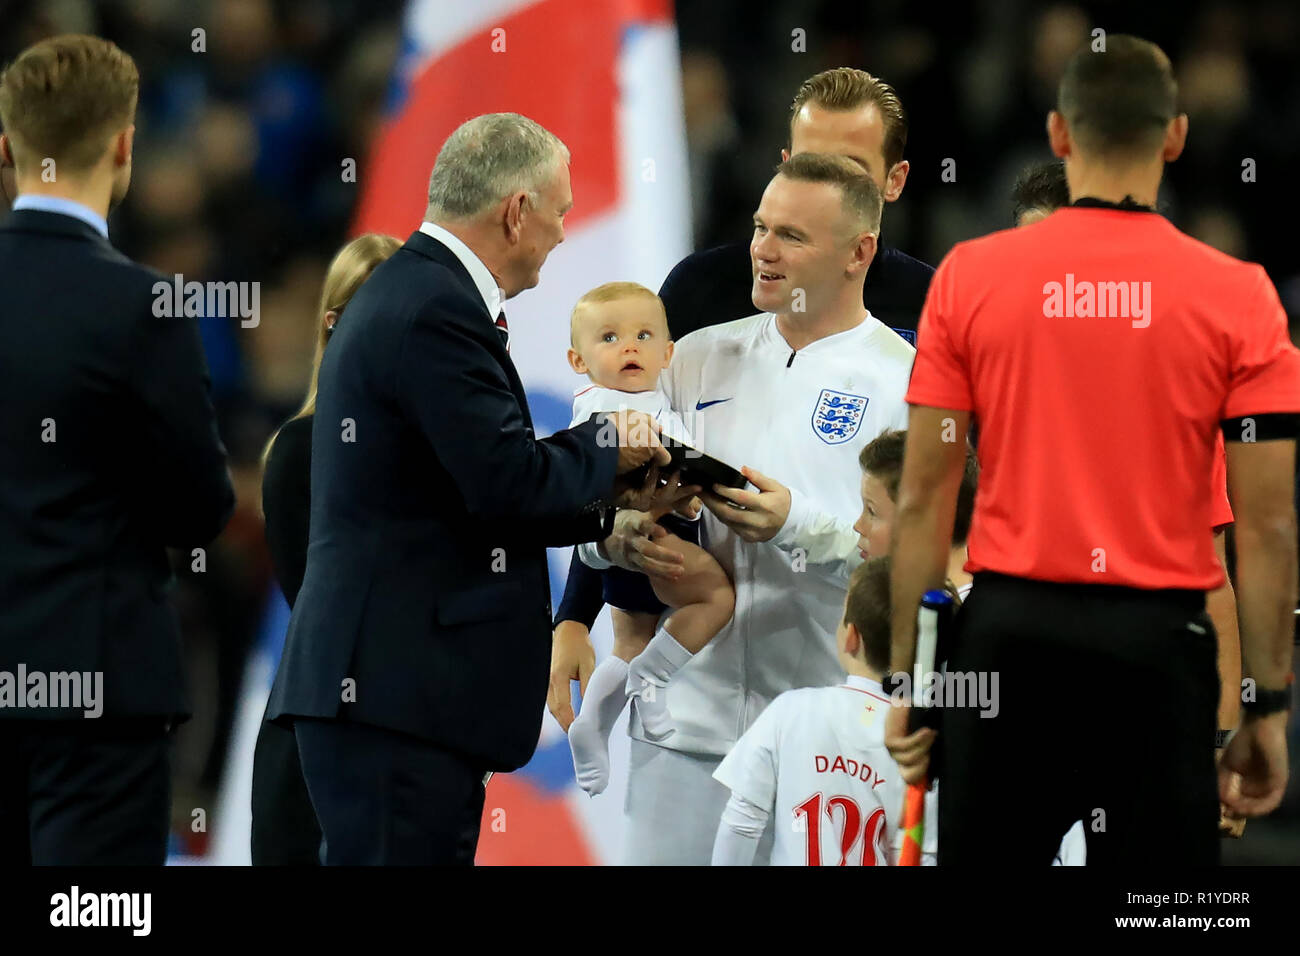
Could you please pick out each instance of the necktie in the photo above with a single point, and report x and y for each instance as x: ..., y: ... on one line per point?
x: 504, y: 330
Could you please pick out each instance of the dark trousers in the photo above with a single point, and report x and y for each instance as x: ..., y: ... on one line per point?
x: 386, y: 798
x: 1107, y: 701
x: 88, y: 792
x: 285, y: 830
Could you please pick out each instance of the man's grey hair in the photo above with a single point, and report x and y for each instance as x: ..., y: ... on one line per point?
x: 488, y: 158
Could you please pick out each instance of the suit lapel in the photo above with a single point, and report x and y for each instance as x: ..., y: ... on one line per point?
x: 517, y: 386
x: 431, y: 248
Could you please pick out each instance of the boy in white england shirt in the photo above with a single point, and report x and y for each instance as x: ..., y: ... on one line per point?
x: 816, y: 758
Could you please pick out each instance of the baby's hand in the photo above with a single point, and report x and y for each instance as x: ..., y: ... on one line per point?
x: 671, y: 496
x: 690, y: 509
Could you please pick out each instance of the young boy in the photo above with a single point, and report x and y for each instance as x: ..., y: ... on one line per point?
x: 619, y: 338
x: 817, y: 757
x: 882, y: 466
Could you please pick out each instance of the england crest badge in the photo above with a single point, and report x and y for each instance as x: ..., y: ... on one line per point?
x: 838, y: 415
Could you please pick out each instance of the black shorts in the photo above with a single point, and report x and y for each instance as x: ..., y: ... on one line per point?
x: 1106, y: 711
x: 631, y: 590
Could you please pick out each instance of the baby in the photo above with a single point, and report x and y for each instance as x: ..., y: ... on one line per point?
x: 619, y: 339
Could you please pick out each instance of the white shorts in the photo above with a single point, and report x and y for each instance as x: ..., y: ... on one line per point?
x: 673, y: 808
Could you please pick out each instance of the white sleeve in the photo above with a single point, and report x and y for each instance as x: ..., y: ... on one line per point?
x: 749, y: 772
x: 589, y: 555
x: 749, y: 768
x: 827, y: 544
x: 1074, y: 847
x: 739, y: 833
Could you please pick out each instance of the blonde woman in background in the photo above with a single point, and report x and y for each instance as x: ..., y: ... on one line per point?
x: 285, y: 831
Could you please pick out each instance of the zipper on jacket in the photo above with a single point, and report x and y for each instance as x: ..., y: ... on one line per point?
x: 791, y: 362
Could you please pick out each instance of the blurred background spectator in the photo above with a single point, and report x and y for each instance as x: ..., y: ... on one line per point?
x: 249, y: 110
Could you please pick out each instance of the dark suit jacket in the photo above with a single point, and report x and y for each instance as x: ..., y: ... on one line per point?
x: 715, y: 285
x: 285, y: 831
x: 286, y: 502
x: 432, y: 505
x: 135, y: 464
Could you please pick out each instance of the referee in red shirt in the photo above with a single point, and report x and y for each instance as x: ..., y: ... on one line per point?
x: 1100, y: 351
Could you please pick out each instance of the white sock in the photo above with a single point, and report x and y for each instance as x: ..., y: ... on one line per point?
x: 589, y: 732
x: 647, y: 677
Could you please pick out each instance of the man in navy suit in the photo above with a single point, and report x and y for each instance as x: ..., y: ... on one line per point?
x: 417, y: 655
x: 110, y: 454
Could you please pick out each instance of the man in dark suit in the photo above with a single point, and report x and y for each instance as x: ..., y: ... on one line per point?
x: 845, y: 112
x: 110, y: 454
x: 418, y: 650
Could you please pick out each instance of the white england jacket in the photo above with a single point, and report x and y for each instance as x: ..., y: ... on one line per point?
x: 801, y: 418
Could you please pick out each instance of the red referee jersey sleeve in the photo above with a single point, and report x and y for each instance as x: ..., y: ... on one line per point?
x: 941, y: 370
x: 1265, y: 369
